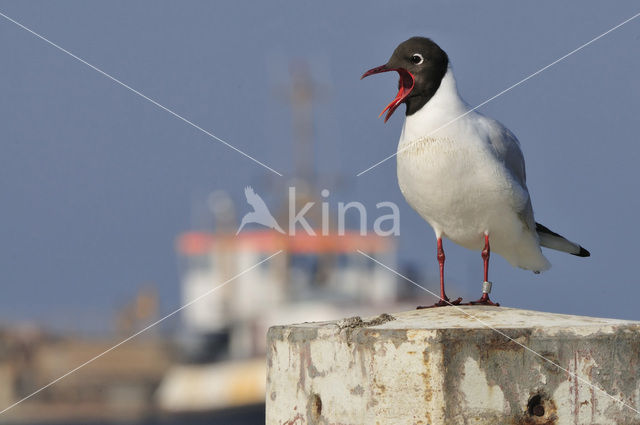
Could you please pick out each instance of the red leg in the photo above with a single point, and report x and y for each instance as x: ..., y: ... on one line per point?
x: 486, y: 286
x: 444, y: 300
x: 486, y: 253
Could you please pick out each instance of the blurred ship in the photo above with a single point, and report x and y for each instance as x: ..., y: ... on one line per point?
x: 320, y: 277
x: 224, y: 334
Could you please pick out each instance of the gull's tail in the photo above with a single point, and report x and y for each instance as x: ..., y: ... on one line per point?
x: 550, y: 239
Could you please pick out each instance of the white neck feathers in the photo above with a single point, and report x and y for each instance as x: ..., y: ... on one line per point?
x: 444, y: 106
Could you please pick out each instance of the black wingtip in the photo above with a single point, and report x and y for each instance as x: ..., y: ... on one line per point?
x: 583, y: 253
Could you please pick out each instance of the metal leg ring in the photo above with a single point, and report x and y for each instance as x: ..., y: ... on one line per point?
x: 486, y: 287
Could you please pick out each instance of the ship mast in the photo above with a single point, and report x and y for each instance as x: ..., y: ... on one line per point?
x: 302, y: 97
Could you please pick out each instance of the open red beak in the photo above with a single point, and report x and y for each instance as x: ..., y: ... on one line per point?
x: 405, y: 85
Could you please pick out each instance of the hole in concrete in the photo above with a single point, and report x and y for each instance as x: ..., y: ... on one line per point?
x: 316, y: 407
x: 534, y: 406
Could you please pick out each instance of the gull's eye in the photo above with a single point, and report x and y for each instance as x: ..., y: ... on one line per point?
x: 417, y: 59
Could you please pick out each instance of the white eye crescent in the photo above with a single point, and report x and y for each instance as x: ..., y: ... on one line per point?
x: 417, y: 59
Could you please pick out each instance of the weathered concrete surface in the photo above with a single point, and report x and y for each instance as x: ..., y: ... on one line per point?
x: 441, y: 366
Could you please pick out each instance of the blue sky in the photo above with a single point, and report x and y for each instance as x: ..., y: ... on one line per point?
x: 95, y: 182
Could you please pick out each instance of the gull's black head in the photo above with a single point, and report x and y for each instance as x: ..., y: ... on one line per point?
x: 421, y: 65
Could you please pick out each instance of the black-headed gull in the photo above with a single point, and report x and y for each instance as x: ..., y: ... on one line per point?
x: 463, y: 172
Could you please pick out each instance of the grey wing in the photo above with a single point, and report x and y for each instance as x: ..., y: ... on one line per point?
x: 507, y: 150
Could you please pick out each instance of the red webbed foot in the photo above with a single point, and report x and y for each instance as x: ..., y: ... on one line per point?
x: 442, y: 303
x: 484, y: 300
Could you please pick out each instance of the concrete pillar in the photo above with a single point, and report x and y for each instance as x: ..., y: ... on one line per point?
x: 446, y: 366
